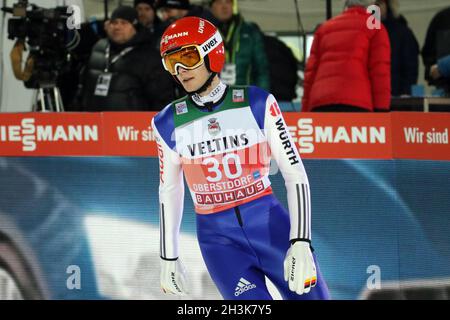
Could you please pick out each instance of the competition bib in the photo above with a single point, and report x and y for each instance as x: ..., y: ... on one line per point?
x: 224, y: 154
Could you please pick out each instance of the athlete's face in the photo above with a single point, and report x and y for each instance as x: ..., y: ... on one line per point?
x: 192, y: 80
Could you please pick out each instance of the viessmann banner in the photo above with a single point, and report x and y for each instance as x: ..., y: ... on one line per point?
x: 80, y: 211
x: 332, y: 135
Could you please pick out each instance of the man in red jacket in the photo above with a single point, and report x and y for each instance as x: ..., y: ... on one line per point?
x: 349, y: 65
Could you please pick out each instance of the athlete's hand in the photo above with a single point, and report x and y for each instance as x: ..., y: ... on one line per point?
x: 173, y: 277
x: 299, y: 268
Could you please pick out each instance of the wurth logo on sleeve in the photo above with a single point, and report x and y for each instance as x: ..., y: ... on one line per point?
x: 287, y: 145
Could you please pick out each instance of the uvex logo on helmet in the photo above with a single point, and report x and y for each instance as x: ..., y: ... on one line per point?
x: 209, y: 45
x: 166, y: 38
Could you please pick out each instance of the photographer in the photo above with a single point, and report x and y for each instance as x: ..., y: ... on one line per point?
x: 124, y: 71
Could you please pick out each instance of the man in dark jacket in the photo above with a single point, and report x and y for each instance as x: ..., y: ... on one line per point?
x: 149, y: 20
x: 437, y: 45
x: 246, y: 60
x: 283, y: 66
x: 124, y: 71
x: 404, y: 48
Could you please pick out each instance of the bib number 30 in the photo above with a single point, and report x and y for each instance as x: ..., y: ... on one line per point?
x: 215, y: 168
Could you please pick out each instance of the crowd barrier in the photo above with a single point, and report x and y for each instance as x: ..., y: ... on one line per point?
x: 396, y: 135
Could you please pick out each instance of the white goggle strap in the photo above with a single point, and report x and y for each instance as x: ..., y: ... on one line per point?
x: 164, y: 64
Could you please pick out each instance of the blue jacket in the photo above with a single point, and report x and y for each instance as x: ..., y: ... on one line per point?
x: 444, y: 66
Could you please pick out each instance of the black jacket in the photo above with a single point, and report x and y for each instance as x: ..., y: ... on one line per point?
x: 201, y: 12
x: 404, y: 55
x: 139, y: 81
x: 437, y: 44
x: 283, y: 68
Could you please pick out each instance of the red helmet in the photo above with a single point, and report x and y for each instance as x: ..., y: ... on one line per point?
x: 186, y: 43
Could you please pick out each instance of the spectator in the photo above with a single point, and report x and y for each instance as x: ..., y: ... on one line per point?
x: 147, y: 14
x: 349, y: 65
x: 441, y: 69
x: 283, y: 66
x: 124, y: 71
x: 404, y: 48
x: 172, y: 10
x: 149, y: 20
x: 246, y: 60
x: 90, y: 32
x: 437, y: 45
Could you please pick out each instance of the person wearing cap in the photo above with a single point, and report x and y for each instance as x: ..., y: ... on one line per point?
x: 221, y: 138
x: 172, y: 10
x: 146, y: 10
x: 246, y: 60
x: 345, y: 75
x: 149, y: 20
x: 146, y: 13
x: 124, y: 71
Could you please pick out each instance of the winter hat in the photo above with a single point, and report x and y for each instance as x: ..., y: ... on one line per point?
x: 151, y: 3
x: 175, y: 4
x: 126, y: 13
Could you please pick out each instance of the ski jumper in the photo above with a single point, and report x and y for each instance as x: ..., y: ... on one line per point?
x: 224, y: 151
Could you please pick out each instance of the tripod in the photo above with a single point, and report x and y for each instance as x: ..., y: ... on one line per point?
x: 48, y: 98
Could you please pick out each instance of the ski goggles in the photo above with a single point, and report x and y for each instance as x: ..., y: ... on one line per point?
x: 190, y: 56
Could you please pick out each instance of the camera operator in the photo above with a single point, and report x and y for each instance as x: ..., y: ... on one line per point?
x: 49, y: 36
x: 124, y: 71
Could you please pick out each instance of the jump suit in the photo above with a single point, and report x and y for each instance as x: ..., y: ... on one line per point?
x: 224, y: 150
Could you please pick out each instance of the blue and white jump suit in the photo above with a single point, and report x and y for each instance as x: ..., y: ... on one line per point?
x: 223, y: 148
